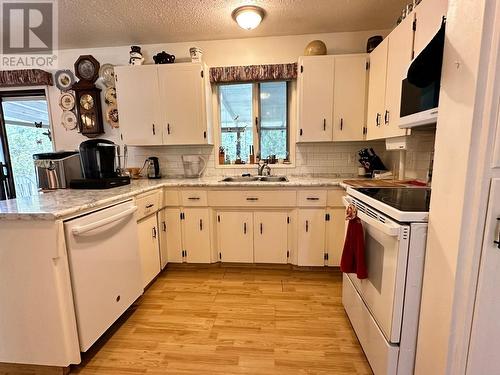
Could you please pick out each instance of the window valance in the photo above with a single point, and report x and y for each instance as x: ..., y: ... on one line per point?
x: 252, y: 73
x: 25, y: 77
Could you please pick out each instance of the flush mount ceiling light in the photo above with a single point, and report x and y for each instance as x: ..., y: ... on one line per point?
x: 248, y: 16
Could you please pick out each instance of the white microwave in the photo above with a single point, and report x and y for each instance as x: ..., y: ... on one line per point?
x: 419, y: 106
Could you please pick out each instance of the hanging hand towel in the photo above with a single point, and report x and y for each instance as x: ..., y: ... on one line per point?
x: 353, y: 255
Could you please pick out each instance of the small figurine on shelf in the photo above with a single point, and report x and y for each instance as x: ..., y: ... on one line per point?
x: 135, y: 56
x: 163, y: 58
x: 222, y: 157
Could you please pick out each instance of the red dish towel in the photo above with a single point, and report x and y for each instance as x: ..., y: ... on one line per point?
x: 353, y: 255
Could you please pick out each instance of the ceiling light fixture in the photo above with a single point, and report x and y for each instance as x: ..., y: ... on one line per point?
x: 248, y: 16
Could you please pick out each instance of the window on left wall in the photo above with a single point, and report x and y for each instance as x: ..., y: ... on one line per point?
x: 253, y: 121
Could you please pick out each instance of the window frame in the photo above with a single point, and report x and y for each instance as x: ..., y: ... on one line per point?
x: 256, y: 123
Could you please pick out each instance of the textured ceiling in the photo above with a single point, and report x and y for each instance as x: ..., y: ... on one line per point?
x: 102, y: 23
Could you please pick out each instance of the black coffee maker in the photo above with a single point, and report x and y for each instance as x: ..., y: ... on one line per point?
x: 98, y: 159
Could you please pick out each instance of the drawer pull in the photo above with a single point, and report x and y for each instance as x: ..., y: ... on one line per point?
x: 307, y: 225
x: 150, y: 205
x: 312, y: 198
x: 194, y: 198
x: 244, y: 228
x: 164, y: 226
x: 252, y: 199
x: 201, y: 224
x: 260, y: 228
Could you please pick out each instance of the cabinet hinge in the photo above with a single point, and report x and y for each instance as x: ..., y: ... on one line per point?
x: 365, y: 130
x: 414, y: 27
x: 202, y: 74
x: 326, y: 256
x: 302, y: 68
x: 367, y: 65
x: 205, y: 135
x: 218, y: 218
x: 182, y: 216
x: 121, y: 137
x: 288, y: 220
x: 288, y: 253
x: 182, y: 253
x: 327, y: 217
x: 116, y: 77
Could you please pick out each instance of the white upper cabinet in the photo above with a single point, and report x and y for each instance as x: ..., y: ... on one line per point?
x: 349, y: 98
x: 138, y: 104
x: 376, y: 91
x: 315, y: 98
x: 182, y: 96
x: 398, y: 60
x: 164, y: 104
x: 429, y: 16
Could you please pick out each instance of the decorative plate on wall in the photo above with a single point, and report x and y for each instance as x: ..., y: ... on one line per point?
x: 68, y: 120
x: 67, y: 101
x: 110, y: 95
x: 64, y: 79
x: 107, y: 74
x: 112, y: 116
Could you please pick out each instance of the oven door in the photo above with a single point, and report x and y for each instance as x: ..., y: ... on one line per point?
x: 386, y: 251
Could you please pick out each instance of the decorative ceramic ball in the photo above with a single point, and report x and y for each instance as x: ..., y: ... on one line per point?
x: 316, y: 47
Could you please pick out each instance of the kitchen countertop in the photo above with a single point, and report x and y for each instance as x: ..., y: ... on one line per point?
x: 64, y: 203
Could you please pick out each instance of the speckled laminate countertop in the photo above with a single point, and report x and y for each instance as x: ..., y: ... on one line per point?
x: 64, y: 203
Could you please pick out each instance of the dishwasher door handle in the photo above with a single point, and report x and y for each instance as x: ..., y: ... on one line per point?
x: 82, y: 229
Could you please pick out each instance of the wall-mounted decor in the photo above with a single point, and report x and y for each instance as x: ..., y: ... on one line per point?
x: 25, y: 77
x: 67, y: 101
x: 315, y: 48
x: 68, y: 120
x: 112, y: 116
x: 135, y: 56
x: 88, y: 97
x: 107, y: 74
x: 64, y: 79
x: 110, y: 96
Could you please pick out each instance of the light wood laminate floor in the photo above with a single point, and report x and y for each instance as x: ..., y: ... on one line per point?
x: 232, y: 320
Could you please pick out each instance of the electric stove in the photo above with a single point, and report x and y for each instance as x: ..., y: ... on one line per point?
x: 404, y: 204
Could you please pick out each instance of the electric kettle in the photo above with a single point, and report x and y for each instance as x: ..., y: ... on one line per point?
x: 153, y: 167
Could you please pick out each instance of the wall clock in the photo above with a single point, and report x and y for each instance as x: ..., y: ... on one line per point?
x: 88, y: 97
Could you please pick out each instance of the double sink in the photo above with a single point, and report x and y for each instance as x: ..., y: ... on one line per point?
x: 255, y: 179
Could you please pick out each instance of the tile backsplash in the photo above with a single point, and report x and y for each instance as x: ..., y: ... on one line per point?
x: 337, y: 158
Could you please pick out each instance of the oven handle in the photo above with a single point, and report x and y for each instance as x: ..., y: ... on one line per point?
x: 82, y: 229
x: 389, y: 228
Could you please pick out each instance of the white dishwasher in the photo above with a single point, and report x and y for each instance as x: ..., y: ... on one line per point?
x: 105, y: 268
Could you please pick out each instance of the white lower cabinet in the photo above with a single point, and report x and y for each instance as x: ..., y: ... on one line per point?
x: 149, y: 248
x: 335, y: 233
x: 311, y: 236
x: 196, y: 235
x: 235, y: 236
x: 170, y: 236
x: 270, y: 237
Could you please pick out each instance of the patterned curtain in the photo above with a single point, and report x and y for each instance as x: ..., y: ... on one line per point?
x: 271, y: 72
x: 25, y: 77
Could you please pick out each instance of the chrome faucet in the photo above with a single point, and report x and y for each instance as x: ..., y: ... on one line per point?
x: 263, y: 169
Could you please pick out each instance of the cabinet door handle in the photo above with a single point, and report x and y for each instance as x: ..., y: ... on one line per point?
x: 244, y: 228
x: 312, y: 198
x: 154, y: 232
x: 386, y: 117
x: 252, y: 199
x: 154, y: 130
x: 377, y: 119
x: 164, y: 226
x: 324, y: 124
x: 307, y: 225
x: 150, y: 205
x: 201, y: 224
x: 260, y: 228
x: 498, y: 242
x: 168, y: 128
x: 194, y: 198
x: 341, y: 124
